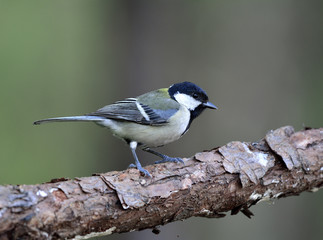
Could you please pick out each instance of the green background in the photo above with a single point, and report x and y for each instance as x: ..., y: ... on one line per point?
x: 261, y: 63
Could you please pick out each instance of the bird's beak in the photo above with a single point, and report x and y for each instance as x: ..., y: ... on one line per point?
x: 209, y: 105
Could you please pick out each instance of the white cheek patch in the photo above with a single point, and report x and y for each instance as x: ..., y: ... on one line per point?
x: 186, y: 100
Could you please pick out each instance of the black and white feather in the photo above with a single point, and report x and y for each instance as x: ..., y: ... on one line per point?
x: 130, y: 110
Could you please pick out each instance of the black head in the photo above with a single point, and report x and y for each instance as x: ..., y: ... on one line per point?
x: 189, y: 89
x: 190, y: 95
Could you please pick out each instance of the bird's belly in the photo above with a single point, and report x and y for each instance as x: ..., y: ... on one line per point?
x: 151, y: 136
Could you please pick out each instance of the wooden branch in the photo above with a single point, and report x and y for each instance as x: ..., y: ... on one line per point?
x: 230, y: 178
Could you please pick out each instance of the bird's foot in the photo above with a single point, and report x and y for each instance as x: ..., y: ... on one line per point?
x: 141, y: 169
x: 165, y: 158
x: 170, y: 159
x: 132, y: 166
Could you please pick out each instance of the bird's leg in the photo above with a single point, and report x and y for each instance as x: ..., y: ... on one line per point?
x: 165, y: 158
x: 133, y: 146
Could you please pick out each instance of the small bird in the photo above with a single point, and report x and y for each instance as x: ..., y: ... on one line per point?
x: 150, y: 120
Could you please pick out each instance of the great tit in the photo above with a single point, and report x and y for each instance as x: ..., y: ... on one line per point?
x: 150, y: 120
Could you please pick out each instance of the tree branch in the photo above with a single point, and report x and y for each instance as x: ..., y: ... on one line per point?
x: 230, y: 178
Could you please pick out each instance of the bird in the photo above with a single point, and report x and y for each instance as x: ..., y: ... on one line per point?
x: 150, y: 120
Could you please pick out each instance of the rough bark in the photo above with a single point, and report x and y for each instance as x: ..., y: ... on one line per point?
x: 229, y: 178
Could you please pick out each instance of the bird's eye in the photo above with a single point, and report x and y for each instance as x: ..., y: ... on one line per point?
x: 195, y: 95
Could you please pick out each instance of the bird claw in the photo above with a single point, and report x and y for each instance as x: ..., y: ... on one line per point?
x: 145, y: 172
x: 132, y: 166
x: 170, y: 159
x: 141, y: 169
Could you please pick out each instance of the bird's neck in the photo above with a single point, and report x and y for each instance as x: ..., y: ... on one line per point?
x: 194, y: 114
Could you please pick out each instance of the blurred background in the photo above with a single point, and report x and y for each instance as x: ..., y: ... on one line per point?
x: 261, y: 63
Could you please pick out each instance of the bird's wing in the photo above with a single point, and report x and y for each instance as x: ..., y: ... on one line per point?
x: 132, y: 110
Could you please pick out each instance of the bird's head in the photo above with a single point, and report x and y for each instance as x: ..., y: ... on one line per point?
x: 190, y: 95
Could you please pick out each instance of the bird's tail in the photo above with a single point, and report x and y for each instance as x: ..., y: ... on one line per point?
x: 70, y: 119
